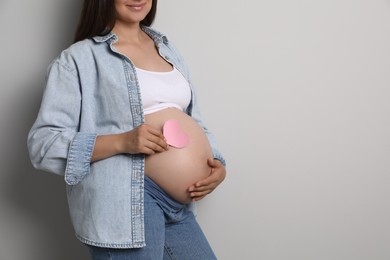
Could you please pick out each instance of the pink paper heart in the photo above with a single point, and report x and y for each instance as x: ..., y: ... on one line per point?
x: 174, y: 136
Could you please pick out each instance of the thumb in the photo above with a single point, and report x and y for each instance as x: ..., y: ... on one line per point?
x: 211, y: 162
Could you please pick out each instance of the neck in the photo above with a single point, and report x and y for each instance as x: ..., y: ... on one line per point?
x: 130, y: 33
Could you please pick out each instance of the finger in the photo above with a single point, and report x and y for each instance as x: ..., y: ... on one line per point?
x: 200, y: 194
x: 147, y: 151
x: 211, y: 186
x: 147, y: 131
x: 205, y: 182
x: 155, y: 132
x: 156, y: 139
x: 197, y: 198
x: 156, y: 145
x: 214, y: 163
x: 209, y: 183
x: 191, y: 188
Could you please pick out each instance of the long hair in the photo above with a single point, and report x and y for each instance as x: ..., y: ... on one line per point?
x: 98, y: 18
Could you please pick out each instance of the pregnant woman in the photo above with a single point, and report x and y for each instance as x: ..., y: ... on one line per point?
x: 120, y: 121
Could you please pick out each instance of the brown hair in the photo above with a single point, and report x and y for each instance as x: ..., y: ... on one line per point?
x: 98, y: 18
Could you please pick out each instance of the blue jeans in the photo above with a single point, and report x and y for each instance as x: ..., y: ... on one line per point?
x: 171, y: 232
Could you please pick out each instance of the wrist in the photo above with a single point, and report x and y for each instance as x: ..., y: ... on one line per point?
x: 119, y: 143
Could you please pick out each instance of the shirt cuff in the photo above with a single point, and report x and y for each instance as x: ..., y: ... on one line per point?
x: 79, y: 158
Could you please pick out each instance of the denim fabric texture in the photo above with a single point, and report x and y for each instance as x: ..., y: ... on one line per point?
x: 92, y: 89
x: 171, y: 232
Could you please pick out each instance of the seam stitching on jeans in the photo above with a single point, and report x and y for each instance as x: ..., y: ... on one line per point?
x: 169, y: 251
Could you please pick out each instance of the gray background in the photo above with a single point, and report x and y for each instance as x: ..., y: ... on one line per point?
x: 297, y: 93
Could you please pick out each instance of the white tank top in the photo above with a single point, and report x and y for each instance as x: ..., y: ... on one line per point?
x: 160, y: 90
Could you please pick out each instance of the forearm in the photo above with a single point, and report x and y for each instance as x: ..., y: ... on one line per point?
x: 143, y: 139
x: 107, y: 146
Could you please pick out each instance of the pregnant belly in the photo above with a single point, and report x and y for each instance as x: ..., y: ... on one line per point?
x: 177, y: 169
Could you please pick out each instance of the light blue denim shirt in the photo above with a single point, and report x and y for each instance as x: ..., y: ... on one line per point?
x: 91, y: 90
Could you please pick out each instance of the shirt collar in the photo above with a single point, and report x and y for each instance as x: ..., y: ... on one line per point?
x: 105, y: 38
x: 156, y: 36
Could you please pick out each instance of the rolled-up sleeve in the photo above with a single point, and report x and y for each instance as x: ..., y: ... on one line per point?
x: 55, y: 143
x: 79, y: 157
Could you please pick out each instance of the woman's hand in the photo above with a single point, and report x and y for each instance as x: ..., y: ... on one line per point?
x: 143, y: 139
x: 202, y: 188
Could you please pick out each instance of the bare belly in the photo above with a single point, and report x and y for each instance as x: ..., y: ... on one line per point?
x: 178, y: 168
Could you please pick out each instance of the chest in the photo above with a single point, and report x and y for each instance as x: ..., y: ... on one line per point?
x: 145, y: 57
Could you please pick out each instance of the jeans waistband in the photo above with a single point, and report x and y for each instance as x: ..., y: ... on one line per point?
x: 161, y: 195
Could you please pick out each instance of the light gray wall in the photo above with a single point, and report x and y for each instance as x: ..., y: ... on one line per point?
x: 34, y: 221
x: 297, y: 93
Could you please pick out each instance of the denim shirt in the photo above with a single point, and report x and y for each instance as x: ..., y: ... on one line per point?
x: 92, y: 89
